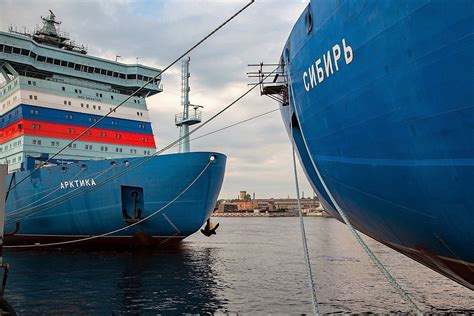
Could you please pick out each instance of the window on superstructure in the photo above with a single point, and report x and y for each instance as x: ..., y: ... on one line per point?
x: 75, y: 90
x: 140, y: 77
x: 103, y: 72
x: 131, y: 76
x: 63, y: 63
x: 57, y: 62
x: 1, y: 48
x: 16, y: 50
x: 41, y: 58
x: 90, y: 70
x: 34, y: 83
x: 71, y: 65
x: 65, y: 102
x: 35, y: 97
x: 93, y: 106
x: 82, y: 105
x: 33, y: 55
x: 122, y: 76
x: 87, y: 132
x: 77, y: 66
x: 39, y: 142
x: 31, y: 97
x: 97, y: 70
x: 64, y: 88
x: 34, y: 141
x: 49, y: 60
x: 25, y: 52
x: 87, y: 105
x: 116, y: 74
x: 99, y: 107
x: 103, y: 134
x: 109, y: 73
x: 112, y: 97
x: 80, y: 91
x: 69, y: 102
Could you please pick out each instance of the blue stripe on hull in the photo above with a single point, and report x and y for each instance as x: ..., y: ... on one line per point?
x: 80, y: 119
x: 99, y: 210
x: 392, y: 132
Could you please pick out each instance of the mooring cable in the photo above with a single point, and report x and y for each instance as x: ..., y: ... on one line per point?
x: 119, y: 229
x: 341, y: 212
x: 307, y: 260
x: 112, y: 110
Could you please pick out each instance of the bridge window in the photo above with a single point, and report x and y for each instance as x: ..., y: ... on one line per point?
x: 103, y: 71
x: 131, y: 76
x: 8, y: 49
x: 57, y: 62
x: 63, y: 63
x: 16, y: 50
x: 49, y: 60
x: 71, y: 65
x: 33, y: 55
x: 25, y: 52
x: 41, y: 58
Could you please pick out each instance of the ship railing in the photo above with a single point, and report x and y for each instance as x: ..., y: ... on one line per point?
x: 194, y: 117
x: 271, y: 79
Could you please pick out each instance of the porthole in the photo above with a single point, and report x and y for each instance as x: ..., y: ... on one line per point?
x: 309, y: 20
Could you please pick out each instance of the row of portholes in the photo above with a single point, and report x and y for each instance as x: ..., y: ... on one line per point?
x: 126, y: 163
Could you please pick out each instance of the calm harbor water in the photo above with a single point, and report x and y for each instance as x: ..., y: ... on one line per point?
x: 253, y: 266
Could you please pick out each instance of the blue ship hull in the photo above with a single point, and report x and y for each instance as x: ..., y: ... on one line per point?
x: 391, y: 128
x: 52, y: 206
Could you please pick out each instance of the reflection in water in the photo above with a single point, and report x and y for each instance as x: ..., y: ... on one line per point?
x: 173, y: 280
x: 252, y: 266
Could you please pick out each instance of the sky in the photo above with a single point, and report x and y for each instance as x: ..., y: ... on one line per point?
x: 157, y: 32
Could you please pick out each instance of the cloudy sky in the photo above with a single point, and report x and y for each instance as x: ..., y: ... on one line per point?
x: 157, y: 32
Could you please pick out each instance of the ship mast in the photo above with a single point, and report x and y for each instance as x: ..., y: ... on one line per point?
x: 185, y: 119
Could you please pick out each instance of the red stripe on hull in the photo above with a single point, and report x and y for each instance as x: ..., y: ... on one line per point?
x: 139, y: 240
x: 54, y: 130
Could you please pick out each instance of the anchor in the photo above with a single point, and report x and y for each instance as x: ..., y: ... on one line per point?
x: 209, y: 229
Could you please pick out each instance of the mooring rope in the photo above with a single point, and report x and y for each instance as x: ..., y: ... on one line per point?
x: 112, y: 110
x: 307, y: 260
x: 366, y: 248
x: 119, y: 229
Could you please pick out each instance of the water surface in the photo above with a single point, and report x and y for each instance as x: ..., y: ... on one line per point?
x: 253, y: 266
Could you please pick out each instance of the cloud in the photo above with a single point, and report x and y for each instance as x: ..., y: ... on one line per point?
x: 157, y: 32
